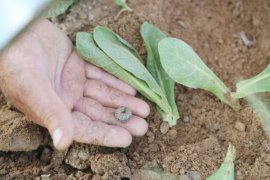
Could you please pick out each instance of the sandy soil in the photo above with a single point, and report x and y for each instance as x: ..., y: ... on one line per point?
x: 200, y: 139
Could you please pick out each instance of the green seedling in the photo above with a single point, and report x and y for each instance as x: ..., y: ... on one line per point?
x: 123, y: 4
x: 109, y: 51
x: 184, y: 66
x: 248, y: 88
x: 261, y: 106
x: 59, y: 7
x: 259, y: 83
x: 151, y: 37
x: 226, y: 170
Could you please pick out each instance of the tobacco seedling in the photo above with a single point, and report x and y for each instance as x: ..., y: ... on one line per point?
x: 261, y: 106
x: 123, y: 4
x: 151, y: 37
x: 185, y: 67
x: 226, y: 170
x: 109, y: 51
x: 256, y: 84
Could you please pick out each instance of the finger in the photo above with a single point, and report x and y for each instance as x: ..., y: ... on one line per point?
x: 114, y: 98
x: 95, y: 111
x: 99, y: 133
x: 93, y: 72
x: 37, y: 99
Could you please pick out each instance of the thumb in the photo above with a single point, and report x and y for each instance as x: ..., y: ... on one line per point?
x: 36, y: 98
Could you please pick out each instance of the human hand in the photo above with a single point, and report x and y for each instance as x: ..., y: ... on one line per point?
x: 42, y: 76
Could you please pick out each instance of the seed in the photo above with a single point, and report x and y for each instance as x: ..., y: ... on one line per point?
x: 123, y: 114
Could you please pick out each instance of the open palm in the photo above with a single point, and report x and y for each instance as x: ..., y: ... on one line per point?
x: 43, y: 77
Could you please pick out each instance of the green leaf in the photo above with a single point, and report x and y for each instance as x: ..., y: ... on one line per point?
x: 123, y: 4
x: 59, y: 7
x: 259, y: 83
x: 185, y: 67
x: 125, y: 44
x: 151, y: 36
x: 118, y: 50
x: 89, y: 51
x: 226, y: 170
x: 261, y: 106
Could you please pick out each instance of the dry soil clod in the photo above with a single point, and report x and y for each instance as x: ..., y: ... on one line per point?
x: 240, y: 126
x: 164, y: 127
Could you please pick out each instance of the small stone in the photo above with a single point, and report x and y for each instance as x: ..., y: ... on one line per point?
x: 164, y: 127
x: 182, y: 24
x: 240, y: 126
x: 186, y: 119
x: 79, y: 174
x: 45, y: 177
x: 182, y: 171
x: 172, y: 134
x: 78, y: 156
x: 239, y: 174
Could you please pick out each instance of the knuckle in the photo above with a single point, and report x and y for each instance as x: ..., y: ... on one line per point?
x: 48, y: 118
x: 115, y: 95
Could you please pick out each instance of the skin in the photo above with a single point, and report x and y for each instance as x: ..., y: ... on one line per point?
x: 43, y: 77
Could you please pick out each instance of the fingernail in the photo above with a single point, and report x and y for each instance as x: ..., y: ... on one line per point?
x: 57, y: 136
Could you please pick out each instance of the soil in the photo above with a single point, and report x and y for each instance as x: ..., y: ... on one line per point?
x: 199, y: 141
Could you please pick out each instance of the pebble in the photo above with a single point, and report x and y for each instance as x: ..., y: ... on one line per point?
x: 240, y: 126
x: 172, y: 134
x: 186, y: 119
x: 79, y: 174
x: 182, y: 24
x: 164, y: 127
x: 45, y: 177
